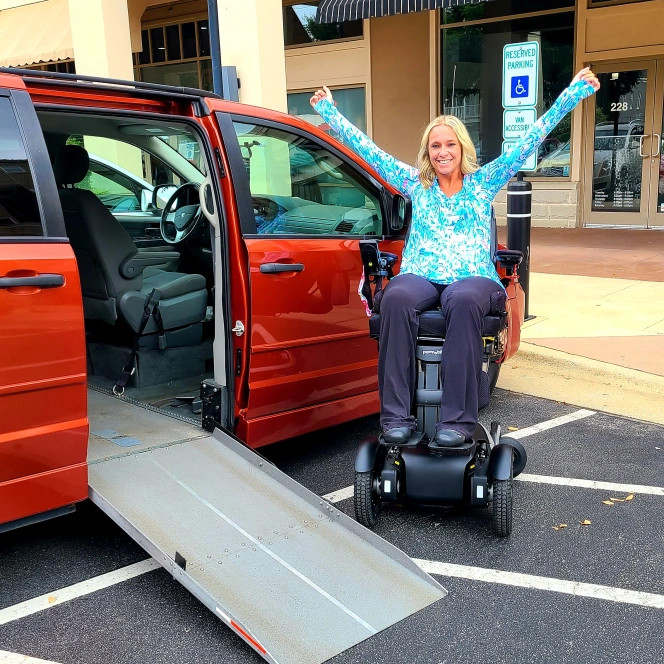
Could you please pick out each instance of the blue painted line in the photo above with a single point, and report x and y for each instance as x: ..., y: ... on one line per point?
x: 119, y: 439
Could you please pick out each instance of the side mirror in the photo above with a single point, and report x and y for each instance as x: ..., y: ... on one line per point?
x: 401, y: 212
x: 146, y: 200
x: 161, y: 194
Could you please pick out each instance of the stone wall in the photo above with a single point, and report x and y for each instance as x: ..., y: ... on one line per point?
x: 555, y: 205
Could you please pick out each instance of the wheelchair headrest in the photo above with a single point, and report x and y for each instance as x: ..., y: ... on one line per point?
x: 71, y: 165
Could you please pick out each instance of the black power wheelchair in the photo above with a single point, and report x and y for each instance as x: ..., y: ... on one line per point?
x: 477, y: 474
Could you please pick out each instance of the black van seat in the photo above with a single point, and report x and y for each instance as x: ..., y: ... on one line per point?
x: 112, y: 280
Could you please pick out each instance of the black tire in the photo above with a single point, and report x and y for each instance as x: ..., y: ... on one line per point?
x: 502, y: 507
x: 520, y: 455
x: 367, y: 502
x: 494, y: 372
x: 487, y: 383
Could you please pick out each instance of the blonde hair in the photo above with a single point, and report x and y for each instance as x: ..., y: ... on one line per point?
x: 468, y: 152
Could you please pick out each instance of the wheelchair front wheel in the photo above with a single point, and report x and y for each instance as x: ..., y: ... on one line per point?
x: 367, y: 501
x: 502, y: 507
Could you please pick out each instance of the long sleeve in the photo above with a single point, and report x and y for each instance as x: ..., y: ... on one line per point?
x: 498, y: 172
x: 401, y: 176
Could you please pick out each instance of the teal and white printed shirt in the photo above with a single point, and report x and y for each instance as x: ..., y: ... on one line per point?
x: 450, y: 238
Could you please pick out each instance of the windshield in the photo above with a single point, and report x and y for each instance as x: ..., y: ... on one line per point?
x: 186, y: 145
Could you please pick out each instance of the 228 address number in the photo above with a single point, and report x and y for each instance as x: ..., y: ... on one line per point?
x: 619, y: 106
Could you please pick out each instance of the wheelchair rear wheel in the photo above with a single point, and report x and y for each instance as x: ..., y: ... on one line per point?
x: 494, y: 372
x: 367, y: 501
x: 520, y: 456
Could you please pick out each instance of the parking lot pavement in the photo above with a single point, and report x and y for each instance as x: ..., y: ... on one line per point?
x: 579, y: 593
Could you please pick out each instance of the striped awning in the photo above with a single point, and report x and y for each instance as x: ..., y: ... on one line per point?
x: 36, y: 32
x: 336, y: 11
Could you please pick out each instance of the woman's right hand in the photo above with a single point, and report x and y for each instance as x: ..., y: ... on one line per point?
x: 321, y: 94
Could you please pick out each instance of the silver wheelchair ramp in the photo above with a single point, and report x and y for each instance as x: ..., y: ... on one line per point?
x: 297, y: 579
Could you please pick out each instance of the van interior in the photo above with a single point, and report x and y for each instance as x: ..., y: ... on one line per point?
x: 129, y: 190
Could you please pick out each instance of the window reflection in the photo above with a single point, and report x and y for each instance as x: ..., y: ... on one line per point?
x: 472, y: 74
x: 299, y: 187
x: 19, y: 211
x: 350, y: 102
x: 301, y: 27
x: 619, y: 132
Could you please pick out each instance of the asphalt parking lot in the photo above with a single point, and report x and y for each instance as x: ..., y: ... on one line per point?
x: 579, y: 592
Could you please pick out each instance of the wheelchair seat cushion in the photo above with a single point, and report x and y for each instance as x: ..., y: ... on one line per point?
x: 432, y: 322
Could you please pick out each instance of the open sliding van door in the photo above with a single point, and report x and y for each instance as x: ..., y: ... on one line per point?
x: 43, y: 417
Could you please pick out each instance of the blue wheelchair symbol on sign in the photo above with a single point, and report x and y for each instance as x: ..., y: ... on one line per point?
x: 519, y: 86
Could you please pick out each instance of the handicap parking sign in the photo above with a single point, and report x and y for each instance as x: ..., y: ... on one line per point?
x: 521, y: 72
x: 520, y: 86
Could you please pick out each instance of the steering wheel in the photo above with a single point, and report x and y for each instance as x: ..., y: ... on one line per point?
x: 186, y: 217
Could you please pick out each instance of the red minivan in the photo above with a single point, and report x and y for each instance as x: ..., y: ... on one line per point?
x: 203, y: 266
x: 243, y: 222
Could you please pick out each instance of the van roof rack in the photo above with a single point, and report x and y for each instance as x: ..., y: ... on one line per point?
x: 155, y: 90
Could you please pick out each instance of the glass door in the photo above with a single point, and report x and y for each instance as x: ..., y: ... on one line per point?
x: 623, y: 146
x: 656, y: 215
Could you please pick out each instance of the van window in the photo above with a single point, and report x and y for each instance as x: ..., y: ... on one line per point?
x: 117, y: 191
x: 19, y: 210
x: 300, y: 188
x: 120, y: 172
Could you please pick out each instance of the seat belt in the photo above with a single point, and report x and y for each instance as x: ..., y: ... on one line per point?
x: 151, y: 308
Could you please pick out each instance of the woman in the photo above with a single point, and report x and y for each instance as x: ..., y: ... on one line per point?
x: 447, y: 258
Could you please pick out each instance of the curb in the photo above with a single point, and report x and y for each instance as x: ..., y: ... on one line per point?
x: 580, y: 381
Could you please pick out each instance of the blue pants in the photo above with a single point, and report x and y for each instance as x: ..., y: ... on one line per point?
x: 464, y: 303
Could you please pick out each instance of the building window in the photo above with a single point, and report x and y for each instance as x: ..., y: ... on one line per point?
x: 471, y: 69
x: 176, y: 54
x: 498, y: 9
x: 301, y: 27
x: 601, y: 3
x: 351, y: 103
x: 62, y: 66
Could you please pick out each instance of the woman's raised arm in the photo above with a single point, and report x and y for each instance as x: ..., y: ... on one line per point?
x: 401, y: 176
x: 497, y: 172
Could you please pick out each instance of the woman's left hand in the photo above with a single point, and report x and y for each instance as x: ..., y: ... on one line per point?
x: 588, y: 76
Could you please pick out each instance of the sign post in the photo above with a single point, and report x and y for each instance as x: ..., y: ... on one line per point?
x: 520, y: 89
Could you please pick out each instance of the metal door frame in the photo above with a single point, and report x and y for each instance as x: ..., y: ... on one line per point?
x: 646, y: 217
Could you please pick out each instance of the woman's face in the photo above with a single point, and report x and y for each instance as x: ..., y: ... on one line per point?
x: 444, y: 151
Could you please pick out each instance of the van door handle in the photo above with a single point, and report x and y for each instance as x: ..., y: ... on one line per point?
x: 273, y: 268
x: 38, y: 281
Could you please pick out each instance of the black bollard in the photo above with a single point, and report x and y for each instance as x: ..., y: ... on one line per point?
x: 519, y: 212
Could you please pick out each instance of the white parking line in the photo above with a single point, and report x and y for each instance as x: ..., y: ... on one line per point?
x: 550, y: 424
x: 614, y: 487
x: 15, y: 658
x: 341, y: 494
x: 575, y: 588
x: 57, y: 597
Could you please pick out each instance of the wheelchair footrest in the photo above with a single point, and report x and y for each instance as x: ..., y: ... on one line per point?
x: 414, y: 440
x: 466, y: 448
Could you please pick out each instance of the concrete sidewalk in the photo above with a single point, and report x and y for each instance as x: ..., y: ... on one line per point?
x: 597, y: 336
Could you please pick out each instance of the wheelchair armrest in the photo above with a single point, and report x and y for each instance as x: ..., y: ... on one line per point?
x: 509, y: 258
x: 376, y: 262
